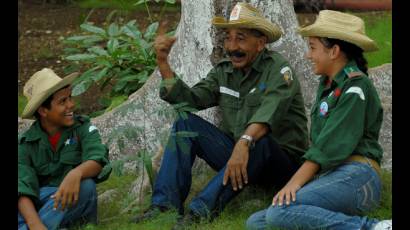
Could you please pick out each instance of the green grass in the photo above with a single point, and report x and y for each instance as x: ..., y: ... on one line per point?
x: 379, y: 28
x: 234, y: 216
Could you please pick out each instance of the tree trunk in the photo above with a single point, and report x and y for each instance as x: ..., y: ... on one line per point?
x: 143, y: 122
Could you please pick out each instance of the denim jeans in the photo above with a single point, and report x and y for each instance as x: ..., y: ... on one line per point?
x: 174, y: 179
x: 85, y: 210
x: 333, y: 201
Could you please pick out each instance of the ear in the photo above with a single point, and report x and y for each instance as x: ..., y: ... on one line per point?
x: 42, y: 111
x: 335, y: 52
x: 261, y: 43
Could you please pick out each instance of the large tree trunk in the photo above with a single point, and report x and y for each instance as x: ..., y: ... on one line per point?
x: 143, y: 121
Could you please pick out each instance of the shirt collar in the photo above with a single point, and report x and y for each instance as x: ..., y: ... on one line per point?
x: 341, y: 75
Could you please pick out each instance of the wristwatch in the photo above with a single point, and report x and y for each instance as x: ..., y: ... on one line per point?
x: 249, y: 139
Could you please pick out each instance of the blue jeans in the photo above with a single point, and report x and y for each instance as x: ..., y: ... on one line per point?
x: 174, y: 179
x: 333, y: 201
x: 85, y: 209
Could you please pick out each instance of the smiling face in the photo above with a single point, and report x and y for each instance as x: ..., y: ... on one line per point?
x: 243, y: 46
x: 320, y: 56
x: 60, y: 114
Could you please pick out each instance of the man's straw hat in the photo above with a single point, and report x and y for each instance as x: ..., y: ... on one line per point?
x: 342, y: 26
x: 246, y: 16
x: 42, y: 85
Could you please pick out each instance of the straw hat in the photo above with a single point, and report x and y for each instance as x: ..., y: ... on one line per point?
x: 42, y: 85
x: 342, y: 26
x: 246, y: 16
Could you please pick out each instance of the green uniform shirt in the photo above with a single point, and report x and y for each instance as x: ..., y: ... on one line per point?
x: 270, y: 94
x: 346, y: 119
x: 39, y: 166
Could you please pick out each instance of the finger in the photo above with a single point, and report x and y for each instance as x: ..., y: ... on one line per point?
x: 275, y: 199
x: 63, y: 201
x: 226, y: 176
x: 293, y: 195
x: 69, y: 200
x: 56, y: 198
x: 280, y: 199
x: 75, y: 198
x: 287, y: 197
x: 232, y: 176
x: 162, y: 29
x: 244, y: 174
x: 238, y: 177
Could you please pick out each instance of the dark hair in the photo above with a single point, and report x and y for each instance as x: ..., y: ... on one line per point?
x: 256, y: 33
x: 47, y: 103
x: 351, y: 51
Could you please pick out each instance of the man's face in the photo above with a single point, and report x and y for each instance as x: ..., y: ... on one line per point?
x: 60, y: 113
x: 242, y: 47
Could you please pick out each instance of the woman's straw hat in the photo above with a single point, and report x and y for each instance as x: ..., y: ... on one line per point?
x: 342, y: 26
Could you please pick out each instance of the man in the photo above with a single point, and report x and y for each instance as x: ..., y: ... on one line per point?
x: 263, y: 131
x: 60, y: 158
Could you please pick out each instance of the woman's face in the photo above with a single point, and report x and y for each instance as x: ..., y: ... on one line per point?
x: 320, y: 57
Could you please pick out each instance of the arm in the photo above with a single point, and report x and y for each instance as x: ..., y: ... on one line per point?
x: 237, y: 164
x: 29, y: 213
x: 304, y: 174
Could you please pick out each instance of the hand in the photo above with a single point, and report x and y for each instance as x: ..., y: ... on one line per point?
x: 236, y: 166
x: 68, y: 191
x: 163, y: 43
x: 288, y: 192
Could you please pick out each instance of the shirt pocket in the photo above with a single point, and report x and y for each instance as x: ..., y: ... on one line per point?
x: 228, y: 102
x: 71, y: 156
x: 253, y: 99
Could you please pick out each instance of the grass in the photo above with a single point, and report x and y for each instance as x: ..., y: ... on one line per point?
x: 234, y: 216
x: 379, y: 28
x: 22, y: 100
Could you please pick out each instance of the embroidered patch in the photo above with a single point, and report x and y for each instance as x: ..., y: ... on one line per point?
x: 252, y: 90
x: 324, y: 107
x: 231, y: 92
x: 92, y: 128
x: 357, y: 90
x: 235, y: 12
x: 287, y: 74
x: 262, y: 86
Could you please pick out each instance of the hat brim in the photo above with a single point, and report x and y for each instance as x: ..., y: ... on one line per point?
x: 360, y: 40
x: 272, y: 32
x: 37, y: 100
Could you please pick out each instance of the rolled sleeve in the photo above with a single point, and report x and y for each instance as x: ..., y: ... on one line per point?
x: 28, y: 184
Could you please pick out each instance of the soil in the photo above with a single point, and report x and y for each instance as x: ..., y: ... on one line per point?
x: 42, y: 25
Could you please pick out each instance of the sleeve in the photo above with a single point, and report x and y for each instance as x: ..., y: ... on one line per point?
x: 342, y: 131
x: 28, y: 184
x: 94, y: 149
x: 202, y: 95
x: 276, y: 99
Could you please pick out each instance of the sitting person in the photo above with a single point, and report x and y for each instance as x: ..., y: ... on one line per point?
x: 60, y: 158
x: 340, y: 177
x: 263, y: 129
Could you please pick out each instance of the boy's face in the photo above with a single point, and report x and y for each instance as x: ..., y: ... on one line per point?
x: 60, y: 113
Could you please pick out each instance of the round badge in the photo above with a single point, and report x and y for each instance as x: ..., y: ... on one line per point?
x: 324, y: 107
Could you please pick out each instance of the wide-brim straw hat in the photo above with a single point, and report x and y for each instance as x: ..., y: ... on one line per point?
x: 246, y: 16
x: 42, y: 85
x: 342, y: 26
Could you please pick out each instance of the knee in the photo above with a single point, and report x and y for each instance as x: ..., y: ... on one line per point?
x: 88, y: 188
x: 256, y: 220
x: 275, y: 215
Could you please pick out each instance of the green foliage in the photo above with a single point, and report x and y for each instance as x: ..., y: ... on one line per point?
x: 22, y: 100
x: 379, y: 28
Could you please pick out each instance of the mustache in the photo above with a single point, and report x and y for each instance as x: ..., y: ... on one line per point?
x: 235, y: 54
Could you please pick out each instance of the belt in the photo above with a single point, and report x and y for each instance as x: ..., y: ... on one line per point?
x: 366, y: 160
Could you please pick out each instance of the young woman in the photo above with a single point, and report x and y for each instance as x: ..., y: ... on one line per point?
x: 340, y: 178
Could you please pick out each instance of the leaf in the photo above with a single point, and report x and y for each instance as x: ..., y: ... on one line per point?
x: 80, y: 88
x: 80, y: 57
x: 151, y: 31
x: 112, y: 45
x: 93, y: 29
x: 170, y: 1
x: 139, y: 2
x: 100, y: 75
x: 131, y: 31
x: 80, y: 38
x: 98, y: 50
x: 71, y: 50
x: 113, y: 30
x: 116, y: 101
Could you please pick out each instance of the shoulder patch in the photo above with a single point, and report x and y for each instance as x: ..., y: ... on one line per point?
x: 357, y: 90
x: 92, y: 128
x: 287, y: 74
